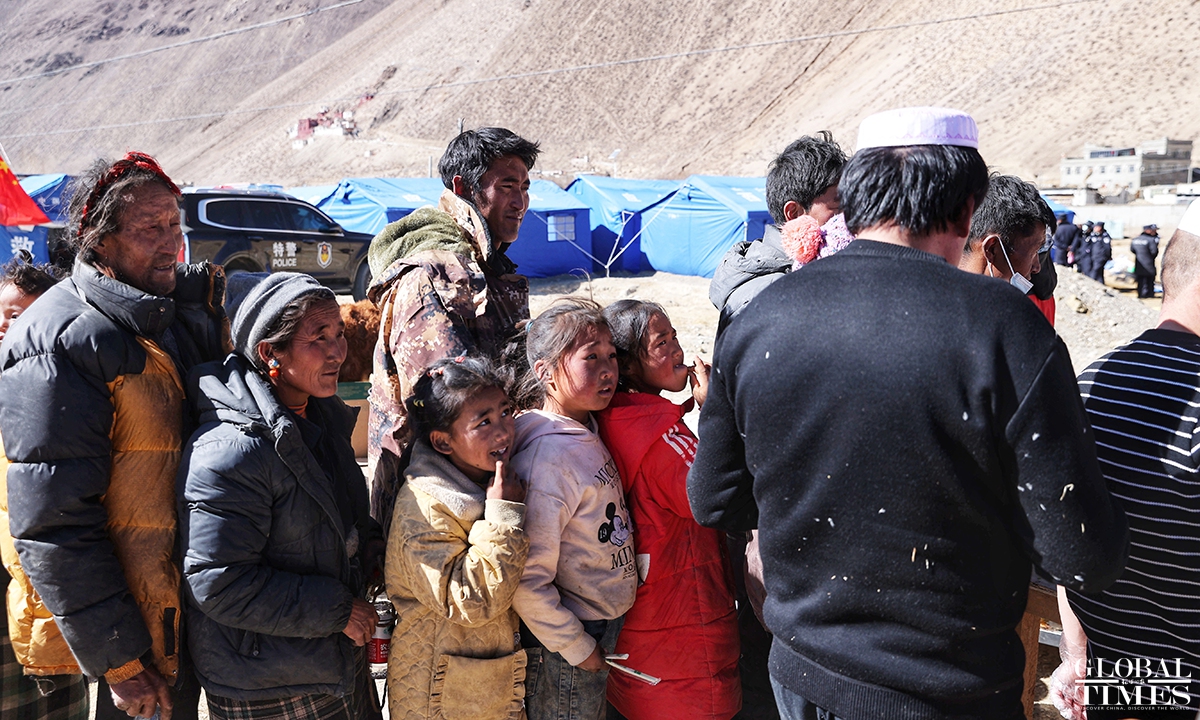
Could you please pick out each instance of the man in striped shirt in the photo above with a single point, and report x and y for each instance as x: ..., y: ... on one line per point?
x: 1143, y: 401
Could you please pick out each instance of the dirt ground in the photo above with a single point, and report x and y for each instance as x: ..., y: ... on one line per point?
x: 685, y: 299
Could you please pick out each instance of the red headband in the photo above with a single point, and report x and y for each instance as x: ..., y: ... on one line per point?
x: 121, y: 168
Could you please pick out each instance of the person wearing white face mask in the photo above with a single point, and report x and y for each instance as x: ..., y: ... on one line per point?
x: 1008, y: 232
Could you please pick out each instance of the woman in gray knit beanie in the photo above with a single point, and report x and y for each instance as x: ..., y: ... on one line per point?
x: 273, y: 513
x: 272, y: 312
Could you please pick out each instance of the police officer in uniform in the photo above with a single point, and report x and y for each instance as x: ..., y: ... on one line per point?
x: 1145, y: 252
x: 1096, y: 252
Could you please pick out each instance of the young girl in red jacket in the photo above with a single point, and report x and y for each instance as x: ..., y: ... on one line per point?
x: 683, y: 625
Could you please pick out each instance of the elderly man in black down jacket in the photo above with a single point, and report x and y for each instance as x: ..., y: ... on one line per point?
x: 92, y: 411
x: 908, y: 451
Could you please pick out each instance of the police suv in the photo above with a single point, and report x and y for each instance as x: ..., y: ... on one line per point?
x: 263, y: 230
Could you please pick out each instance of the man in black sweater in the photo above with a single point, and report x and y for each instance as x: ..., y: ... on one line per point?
x: 908, y: 445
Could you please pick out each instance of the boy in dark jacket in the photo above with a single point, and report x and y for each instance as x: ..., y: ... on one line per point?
x: 803, y: 180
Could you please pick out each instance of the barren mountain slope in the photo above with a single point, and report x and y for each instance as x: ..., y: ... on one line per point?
x: 1039, y: 82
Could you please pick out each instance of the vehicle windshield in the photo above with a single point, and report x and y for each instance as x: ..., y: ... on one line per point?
x: 309, y: 219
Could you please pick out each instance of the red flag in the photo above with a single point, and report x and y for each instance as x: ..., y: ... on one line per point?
x: 16, y: 207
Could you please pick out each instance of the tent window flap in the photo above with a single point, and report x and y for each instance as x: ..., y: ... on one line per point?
x: 560, y: 228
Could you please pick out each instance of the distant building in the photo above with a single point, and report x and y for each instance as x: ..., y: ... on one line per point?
x: 1156, y: 162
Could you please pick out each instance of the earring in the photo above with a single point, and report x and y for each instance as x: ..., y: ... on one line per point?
x: 274, y: 371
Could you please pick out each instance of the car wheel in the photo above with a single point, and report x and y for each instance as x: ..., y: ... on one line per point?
x: 362, y: 281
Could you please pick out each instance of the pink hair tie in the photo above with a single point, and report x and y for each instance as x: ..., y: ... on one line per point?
x: 802, y: 240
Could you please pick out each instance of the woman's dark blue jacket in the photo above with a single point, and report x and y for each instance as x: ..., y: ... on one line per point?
x: 270, y: 566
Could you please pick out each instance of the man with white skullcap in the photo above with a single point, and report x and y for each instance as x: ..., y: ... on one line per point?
x: 909, y: 449
x: 1142, y: 401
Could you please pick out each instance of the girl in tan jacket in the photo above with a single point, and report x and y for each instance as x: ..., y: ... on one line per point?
x: 456, y: 552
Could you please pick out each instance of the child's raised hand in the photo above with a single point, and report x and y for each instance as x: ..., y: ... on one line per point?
x: 698, y: 377
x: 505, y: 484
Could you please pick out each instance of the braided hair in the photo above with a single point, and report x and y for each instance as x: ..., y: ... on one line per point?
x: 101, y: 194
x: 442, y: 390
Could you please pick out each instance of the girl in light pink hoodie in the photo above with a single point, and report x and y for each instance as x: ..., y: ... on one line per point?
x: 581, y: 575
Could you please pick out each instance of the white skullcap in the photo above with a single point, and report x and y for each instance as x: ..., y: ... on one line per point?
x: 1190, y: 222
x: 918, y: 126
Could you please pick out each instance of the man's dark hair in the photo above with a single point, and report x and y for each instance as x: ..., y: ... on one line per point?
x: 802, y: 172
x: 920, y: 189
x: 472, y: 153
x: 1011, y: 209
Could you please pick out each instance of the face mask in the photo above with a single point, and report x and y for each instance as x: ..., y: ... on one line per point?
x: 1017, y: 280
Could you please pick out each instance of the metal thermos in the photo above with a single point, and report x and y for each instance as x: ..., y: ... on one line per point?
x: 377, y: 649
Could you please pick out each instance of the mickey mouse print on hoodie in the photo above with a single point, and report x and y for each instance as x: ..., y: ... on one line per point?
x: 581, y: 563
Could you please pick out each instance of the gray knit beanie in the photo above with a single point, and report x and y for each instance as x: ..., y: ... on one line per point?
x: 263, y: 305
x: 237, y: 286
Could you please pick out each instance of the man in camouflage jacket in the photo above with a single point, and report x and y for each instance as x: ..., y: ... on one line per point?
x: 444, y: 286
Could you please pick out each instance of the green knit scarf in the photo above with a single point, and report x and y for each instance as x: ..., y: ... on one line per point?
x: 424, y: 229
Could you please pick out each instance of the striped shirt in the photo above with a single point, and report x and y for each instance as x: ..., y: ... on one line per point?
x: 1143, y: 401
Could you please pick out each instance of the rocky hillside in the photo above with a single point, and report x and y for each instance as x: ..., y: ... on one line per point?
x: 1040, y: 81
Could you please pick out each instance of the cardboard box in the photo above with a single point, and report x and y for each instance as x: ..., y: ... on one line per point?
x: 354, y: 394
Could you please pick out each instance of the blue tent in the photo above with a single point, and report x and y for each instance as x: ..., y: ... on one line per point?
x: 366, y: 205
x: 31, y: 238
x: 48, y: 192
x: 1059, y: 209
x: 620, y: 208
x: 555, y: 235
x: 692, y: 230
x: 312, y: 194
